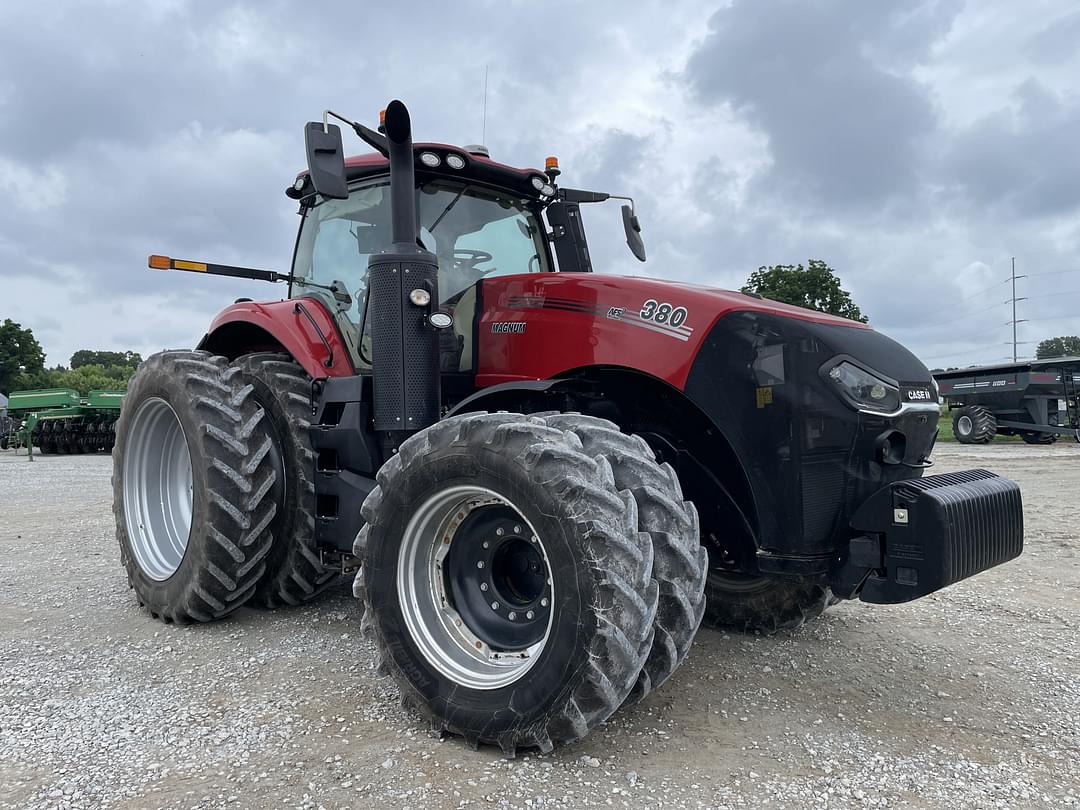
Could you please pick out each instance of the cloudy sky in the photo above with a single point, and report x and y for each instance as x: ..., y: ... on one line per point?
x: 915, y: 146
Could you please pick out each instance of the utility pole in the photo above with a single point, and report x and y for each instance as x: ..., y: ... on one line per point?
x: 1014, y: 299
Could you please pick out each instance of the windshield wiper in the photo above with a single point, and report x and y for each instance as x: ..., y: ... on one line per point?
x: 446, y: 210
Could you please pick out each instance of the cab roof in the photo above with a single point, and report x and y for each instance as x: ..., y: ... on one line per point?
x: 477, y: 169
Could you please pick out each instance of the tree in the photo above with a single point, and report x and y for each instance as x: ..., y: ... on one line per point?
x: 20, y: 354
x: 86, y: 357
x: 22, y: 365
x: 815, y: 286
x: 82, y: 379
x: 1065, y: 346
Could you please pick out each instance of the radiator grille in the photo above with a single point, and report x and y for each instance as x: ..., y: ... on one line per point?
x: 822, y: 499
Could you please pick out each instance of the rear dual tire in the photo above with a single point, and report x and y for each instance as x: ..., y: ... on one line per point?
x: 556, y: 476
x: 196, y: 487
x: 213, y: 494
x: 294, y: 571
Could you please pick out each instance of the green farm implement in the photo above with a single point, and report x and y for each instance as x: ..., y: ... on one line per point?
x: 59, y: 420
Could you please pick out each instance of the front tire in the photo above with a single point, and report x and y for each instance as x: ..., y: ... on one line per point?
x: 680, y: 562
x: 504, y: 479
x: 195, y: 487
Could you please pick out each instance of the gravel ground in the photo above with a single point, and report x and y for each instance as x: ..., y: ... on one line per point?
x: 968, y: 698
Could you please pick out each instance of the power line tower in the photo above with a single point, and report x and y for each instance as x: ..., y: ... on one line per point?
x: 1013, y: 301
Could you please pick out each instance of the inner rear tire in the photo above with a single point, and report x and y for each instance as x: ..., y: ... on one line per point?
x: 602, y: 597
x: 195, y: 487
x: 294, y: 572
x: 749, y: 604
x: 974, y: 424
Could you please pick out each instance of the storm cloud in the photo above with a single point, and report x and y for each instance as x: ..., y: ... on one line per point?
x: 915, y: 146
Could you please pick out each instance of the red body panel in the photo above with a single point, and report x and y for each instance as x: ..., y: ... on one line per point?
x: 294, y: 332
x: 540, y: 325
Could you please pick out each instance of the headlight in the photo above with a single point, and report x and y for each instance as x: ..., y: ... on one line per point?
x: 863, y: 390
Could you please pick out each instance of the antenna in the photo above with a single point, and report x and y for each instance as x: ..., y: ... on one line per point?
x: 483, y: 129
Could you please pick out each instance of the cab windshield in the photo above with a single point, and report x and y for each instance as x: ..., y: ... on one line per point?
x: 474, y: 232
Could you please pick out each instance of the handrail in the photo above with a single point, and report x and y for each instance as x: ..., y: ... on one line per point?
x: 297, y: 309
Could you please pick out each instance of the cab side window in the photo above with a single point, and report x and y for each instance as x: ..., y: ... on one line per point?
x: 336, y: 239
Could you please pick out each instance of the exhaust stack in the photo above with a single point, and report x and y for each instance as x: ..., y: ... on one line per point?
x: 405, y: 347
x: 398, y: 129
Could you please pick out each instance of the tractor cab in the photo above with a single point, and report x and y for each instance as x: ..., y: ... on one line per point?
x: 475, y: 230
x: 473, y: 217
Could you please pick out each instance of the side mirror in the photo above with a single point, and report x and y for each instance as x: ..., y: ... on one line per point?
x: 326, y: 160
x: 633, y: 233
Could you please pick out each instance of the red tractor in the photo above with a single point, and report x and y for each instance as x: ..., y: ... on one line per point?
x: 543, y: 478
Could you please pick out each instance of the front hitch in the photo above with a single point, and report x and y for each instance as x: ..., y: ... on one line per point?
x: 917, y: 536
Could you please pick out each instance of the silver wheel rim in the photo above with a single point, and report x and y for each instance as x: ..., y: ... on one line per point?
x: 964, y: 425
x: 442, y: 636
x: 157, y: 489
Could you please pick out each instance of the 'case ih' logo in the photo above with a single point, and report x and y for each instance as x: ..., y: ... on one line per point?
x: 508, y: 328
x: 919, y: 395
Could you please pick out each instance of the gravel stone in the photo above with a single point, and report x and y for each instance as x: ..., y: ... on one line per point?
x: 102, y: 707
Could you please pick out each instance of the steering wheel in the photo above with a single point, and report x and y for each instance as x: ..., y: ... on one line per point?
x: 468, y: 259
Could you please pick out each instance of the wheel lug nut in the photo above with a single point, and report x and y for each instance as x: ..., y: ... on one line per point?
x: 487, y: 544
x: 494, y: 605
x: 483, y: 586
x: 529, y: 615
x: 511, y: 615
x: 544, y: 602
x: 517, y: 530
x: 480, y: 564
x: 535, y: 539
x: 500, y: 532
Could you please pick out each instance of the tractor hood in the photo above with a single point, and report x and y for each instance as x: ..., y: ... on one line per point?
x: 543, y: 325
x: 724, y: 301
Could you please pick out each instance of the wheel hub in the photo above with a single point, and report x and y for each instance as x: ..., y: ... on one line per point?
x: 475, y: 587
x: 964, y: 425
x: 497, y: 579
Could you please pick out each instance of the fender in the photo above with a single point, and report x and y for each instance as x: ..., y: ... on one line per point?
x: 493, y: 395
x: 303, y: 327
